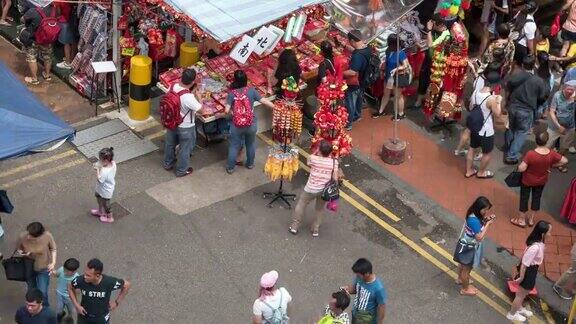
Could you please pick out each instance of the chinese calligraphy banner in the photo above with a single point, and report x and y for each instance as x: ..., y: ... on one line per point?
x: 243, y: 49
x: 264, y: 39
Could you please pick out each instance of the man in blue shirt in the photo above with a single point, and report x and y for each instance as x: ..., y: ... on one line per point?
x: 370, y: 302
x: 354, y: 76
x: 34, y: 312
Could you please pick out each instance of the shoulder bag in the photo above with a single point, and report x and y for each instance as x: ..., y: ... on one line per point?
x: 465, y: 248
x: 331, y: 191
x: 514, y: 179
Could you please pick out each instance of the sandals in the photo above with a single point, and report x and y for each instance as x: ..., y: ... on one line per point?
x: 31, y: 81
x: 470, y: 292
x: 378, y: 114
x: 530, y: 221
x: 487, y: 175
x: 563, y: 169
x: 5, y: 23
x: 315, y: 232
x: 468, y: 176
x: 293, y: 228
x: 518, y: 222
x: 46, y: 76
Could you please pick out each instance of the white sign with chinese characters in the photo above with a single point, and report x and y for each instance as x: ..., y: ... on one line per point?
x: 264, y: 39
x: 278, y: 34
x: 243, y: 49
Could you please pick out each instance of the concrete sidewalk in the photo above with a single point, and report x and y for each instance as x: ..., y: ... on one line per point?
x: 433, y: 169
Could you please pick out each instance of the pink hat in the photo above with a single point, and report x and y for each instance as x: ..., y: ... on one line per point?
x: 269, y: 279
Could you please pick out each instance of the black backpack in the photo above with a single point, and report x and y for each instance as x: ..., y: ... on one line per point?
x: 475, y: 120
x: 372, y: 72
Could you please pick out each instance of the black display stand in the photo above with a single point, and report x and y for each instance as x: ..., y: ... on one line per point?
x: 280, y: 194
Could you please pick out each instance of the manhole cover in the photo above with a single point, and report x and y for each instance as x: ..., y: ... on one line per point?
x: 118, y: 211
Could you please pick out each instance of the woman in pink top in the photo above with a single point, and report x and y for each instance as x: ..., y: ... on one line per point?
x: 322, y: 169
x: 531, y: 260
x: 569, y: 27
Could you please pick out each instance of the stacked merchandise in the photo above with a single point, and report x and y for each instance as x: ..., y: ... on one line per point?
x: 281, y: 164
x: 286, y: 121
x: 92, y: 47
x: 331, y: 118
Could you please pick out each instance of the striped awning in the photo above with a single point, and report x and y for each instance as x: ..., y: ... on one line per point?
x: 226, y: 19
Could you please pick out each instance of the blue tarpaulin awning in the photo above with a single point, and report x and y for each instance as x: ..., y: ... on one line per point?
x: 26, y: 124
x: 226, y: 19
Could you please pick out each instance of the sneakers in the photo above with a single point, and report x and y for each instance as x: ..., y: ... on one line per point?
x: 516, y: 317
x: 524, y: 312
x: 460, y: 152
x: 572, y: 150
x: 63, y: 65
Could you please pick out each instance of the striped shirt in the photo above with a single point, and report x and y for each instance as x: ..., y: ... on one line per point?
x: 320, y: 173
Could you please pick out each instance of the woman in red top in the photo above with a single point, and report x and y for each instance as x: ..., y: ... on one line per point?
x: 535, y: 168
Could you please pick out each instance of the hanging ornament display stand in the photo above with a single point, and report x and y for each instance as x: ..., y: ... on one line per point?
x: 394, y: 149
x: 282, y: 162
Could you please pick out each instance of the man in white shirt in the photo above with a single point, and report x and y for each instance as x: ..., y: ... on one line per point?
x: 526, y: 40
x: 185, y: 134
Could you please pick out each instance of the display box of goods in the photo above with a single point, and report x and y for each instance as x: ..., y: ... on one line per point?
x: 308, y: 48
x: 315, y: 29
x: 307, y: 64
x: 220, y: 98
x: 222, y: 64
x: 255, y: 76
x: 170, y: 77
x: 269, y: 62
x: 318, y: 58
x: 210, y: 108
x: 82, y: 84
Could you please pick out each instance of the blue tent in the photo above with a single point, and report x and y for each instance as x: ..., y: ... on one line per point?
x: 26, y: 123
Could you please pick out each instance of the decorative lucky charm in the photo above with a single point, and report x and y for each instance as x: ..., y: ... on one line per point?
x: 155, y: 37
x: 290, y: 87
x: 286, y: 121
x: 280, y: 164
x: 331, y: 118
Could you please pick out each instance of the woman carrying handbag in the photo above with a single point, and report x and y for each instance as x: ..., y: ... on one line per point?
x: 323, y: 172
x: 478, y: 221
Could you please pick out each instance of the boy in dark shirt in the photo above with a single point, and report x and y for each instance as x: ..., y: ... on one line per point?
x: 354, y: 75
x: 96, y: 289
x: 34, y: 312
x: 32, y: 20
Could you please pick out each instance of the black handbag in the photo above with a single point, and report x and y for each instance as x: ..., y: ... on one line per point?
x: 331, y: 191
x: 5, y: 204
x: 404, y: 80
x: 514, y: 179
x: 18, y: 268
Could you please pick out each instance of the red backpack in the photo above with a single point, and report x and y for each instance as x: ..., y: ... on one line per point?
x: 49, y: 29
x: 170, y: 109
x: 242, y: 115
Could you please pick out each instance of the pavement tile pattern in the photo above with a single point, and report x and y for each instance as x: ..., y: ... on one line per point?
x: 437, y: 173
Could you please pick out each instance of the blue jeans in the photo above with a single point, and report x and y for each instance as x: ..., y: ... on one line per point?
x: 40, y: 280
x: 64, y: 302
x: 186, y: 137
x: 521, y: 121
x: 238, y: 137
x: 353, y: 101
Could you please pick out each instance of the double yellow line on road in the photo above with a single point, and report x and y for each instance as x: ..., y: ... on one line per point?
x: 413, y: 245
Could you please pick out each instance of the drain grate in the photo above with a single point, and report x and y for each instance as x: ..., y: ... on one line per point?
x: 119, y: 211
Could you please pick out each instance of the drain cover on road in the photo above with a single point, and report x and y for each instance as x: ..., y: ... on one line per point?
x: 116, y: 134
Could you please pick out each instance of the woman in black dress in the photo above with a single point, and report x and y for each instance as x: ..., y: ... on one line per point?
x: 287, y: 67
x: 531, y: 260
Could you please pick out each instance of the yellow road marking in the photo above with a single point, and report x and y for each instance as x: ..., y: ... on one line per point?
x: 37, y: 163
x: 411, y: 244
x: 155, y: 135
x: 43, y: 173
x: 346, y: 184
x: 546, y: 311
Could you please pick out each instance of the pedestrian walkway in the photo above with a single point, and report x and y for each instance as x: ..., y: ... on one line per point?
x: 437, y: 173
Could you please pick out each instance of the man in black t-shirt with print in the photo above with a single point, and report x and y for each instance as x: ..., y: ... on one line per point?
x: 96, y: 289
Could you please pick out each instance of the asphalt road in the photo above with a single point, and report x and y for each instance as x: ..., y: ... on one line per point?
x: 204, y: 266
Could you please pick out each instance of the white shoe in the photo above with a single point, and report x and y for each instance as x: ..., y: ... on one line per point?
x: 460, y: 152
x: 523, y: 311
x: 64, y: 65
x: 516, y: 317
x: 572, y: 149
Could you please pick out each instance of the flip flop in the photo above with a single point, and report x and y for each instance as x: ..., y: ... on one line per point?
x: 46, y: 77
x: 31, y: 81
x: 487, y: 175
x: 474, y: 292
x: 471, y: 175
x: 5, y: 23
x: 516, y: 222
x: 530, y: 222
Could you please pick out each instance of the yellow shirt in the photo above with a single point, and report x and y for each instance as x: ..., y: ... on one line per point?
x: 571, y: 53
x: 543, y: 46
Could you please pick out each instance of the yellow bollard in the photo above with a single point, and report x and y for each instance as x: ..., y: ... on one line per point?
x: 572, y: 312
x: 140, y: 79
x: 189, y: 54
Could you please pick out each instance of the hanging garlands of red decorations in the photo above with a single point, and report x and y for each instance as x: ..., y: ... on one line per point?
x: 331, y: 118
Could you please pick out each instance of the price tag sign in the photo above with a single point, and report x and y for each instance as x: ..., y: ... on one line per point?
x: 243, y: 49
x: 264, y: 39
x: 128, y: 51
